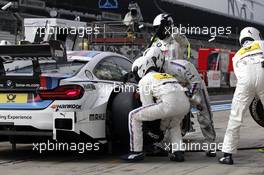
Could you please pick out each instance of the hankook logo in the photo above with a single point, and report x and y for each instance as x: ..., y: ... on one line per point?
x: 68, y: 106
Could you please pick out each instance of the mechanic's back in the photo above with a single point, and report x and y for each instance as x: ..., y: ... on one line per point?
x: 160, y: 85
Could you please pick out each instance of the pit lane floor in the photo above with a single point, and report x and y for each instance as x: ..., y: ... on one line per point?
x: 28, y: 162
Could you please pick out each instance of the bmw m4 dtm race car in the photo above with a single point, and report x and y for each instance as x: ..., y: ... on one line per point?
x: 44, y: 93
x: 48, y: 94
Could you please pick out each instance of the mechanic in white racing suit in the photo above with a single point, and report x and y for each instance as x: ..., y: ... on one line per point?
x: 162, y: 98
x: 249, y: 69
x: 173, y: 47
x: 188, y: 76
x: 172, y: 44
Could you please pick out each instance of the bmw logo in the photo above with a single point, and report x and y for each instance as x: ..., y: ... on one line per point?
x: 159, y: 44
x: 9, y: 84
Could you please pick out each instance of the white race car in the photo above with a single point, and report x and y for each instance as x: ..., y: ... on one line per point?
x: 44, y: 96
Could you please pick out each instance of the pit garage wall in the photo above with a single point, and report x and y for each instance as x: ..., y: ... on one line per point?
x: 181, y: 14
x: 216, y: 68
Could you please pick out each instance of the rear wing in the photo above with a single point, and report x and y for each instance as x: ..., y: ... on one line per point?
x: 53, y: 50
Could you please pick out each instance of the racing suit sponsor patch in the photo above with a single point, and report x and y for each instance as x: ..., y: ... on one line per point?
x: 158, y: 44
x: 252, y: 47
x: 162, y: 76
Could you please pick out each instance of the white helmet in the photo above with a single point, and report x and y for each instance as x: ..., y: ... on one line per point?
x: 249, y: 33
x: 162, y: 24
x: 4, y: 43
x: 162, y: 18
x: 155, y: 54
x: 152, y: 58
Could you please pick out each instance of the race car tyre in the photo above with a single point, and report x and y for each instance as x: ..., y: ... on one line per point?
x: 257, y: 111
x: 122, y: 104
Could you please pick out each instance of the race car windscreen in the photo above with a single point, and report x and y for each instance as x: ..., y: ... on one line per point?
x: 47, y: 67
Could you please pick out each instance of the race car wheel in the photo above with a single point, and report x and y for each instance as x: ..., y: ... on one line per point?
x: 257, y: 111
x: 122, y: 104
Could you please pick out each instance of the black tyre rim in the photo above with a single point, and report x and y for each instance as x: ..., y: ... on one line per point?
x: 257, y: 111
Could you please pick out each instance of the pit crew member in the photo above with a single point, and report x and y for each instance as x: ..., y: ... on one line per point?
x: 249, y: 69
x: 162, y: 98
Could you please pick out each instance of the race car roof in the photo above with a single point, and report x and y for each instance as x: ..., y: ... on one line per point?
x: 82, y: 55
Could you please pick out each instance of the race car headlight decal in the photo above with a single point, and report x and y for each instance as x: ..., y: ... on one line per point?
x: 65, y: 92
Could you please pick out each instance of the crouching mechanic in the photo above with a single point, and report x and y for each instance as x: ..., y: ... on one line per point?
x: 162, y: 98
x: 249, y: 69
x: 173, y: 45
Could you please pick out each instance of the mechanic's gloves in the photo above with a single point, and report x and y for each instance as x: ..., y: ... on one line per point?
x: 197, y: 101
x: 133, y: 156
x: 188, y: 94
x: 153, y: 137
x: 199, y: 107
x: 194, y: 99
x: 226, y: 159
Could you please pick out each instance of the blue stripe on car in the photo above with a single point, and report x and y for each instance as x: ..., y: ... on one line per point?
x: 34, y: 105
x: 88, y: 54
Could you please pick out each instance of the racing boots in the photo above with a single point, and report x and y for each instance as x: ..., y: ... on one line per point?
x: 177, y: 156
x: 133, y: 156
x: 226, y: 159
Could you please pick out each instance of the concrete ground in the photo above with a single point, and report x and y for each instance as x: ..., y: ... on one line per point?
x: 249, y: 161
